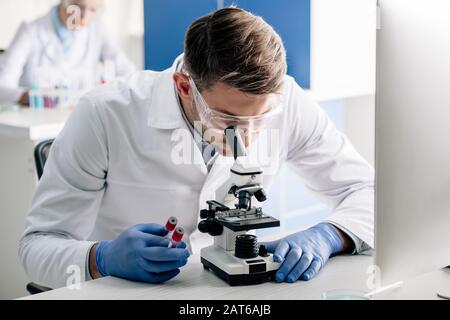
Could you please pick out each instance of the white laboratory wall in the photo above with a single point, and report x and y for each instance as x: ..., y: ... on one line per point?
x: 343, y: 60
x: 13, y: 12
x: 343, y: 47
x: 124, y: 19
x: 359, y: 124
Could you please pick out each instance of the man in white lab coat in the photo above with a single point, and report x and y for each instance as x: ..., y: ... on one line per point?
x: 133, y: 154
x: 63, y: 48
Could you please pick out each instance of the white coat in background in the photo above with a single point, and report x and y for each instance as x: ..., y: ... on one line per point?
x: 36, y: 51
x: 113, y: 166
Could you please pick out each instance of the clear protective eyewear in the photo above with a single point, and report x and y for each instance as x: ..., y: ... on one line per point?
x: 218, y: 120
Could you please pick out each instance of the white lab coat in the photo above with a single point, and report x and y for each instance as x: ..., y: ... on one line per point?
x: 112, y: 167
x: 37, y: 51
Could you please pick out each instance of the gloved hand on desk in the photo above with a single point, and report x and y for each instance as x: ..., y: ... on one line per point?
x: 304, y: 254
x: 140, y: 253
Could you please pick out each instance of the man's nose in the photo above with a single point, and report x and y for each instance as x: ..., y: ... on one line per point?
x: 85, y: 19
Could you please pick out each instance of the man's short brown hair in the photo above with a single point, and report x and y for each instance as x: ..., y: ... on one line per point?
x: 237, y: 48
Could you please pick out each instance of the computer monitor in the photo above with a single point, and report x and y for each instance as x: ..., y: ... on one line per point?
x: 412, y: 219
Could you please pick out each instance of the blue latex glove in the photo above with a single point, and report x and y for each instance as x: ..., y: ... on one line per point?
x: 141, y: 254
x: 305, y: 253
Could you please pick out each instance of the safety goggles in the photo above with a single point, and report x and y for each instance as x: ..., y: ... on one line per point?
x: 214, y: 119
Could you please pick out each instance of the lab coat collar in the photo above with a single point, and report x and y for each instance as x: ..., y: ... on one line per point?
x: 53, y: 46
x: 64, y: 35
x: 46, y: 33
x: 164, y: 112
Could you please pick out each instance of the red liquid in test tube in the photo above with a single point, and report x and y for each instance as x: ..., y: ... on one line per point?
x: 171, y: 224
x: 177, y: 236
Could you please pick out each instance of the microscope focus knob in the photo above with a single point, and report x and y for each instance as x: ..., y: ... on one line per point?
x: 263, y: 251
x: 246, y: 246
x: 203, y: 226
x: 210, y: 226
x: 204, y: 213
x: 260, y: 195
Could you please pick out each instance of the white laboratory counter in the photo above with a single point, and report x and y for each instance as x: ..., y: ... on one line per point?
x: 195, y: 283
x: 20, y: 131
x: 32, y: 125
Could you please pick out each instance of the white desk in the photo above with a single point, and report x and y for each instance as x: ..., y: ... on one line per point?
x: 32, y: 125
x: 194, y: 283
x: 20, y: 130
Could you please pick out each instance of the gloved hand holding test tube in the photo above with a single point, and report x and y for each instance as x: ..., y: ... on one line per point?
x: 141, y: 253
x: 178, y: 233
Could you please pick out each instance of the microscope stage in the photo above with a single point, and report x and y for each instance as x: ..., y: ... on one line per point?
x: 237, y: 224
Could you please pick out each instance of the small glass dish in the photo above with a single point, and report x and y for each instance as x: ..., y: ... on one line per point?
x: 345, y: 295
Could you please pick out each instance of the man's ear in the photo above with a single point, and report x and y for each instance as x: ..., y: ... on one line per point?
x: 182, y: 84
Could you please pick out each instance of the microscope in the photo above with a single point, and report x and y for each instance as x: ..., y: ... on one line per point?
x: 235, y: 255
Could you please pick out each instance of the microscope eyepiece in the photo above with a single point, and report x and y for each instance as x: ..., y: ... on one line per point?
x: 211, y: 227
x: 260, y: 195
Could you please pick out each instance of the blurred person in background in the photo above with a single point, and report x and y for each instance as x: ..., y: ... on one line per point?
x: 61, y: 49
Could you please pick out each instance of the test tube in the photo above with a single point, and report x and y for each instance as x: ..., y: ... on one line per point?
x: 171, y: 224
x: 176, y: 237
x: 46, y: 101
x: 36, y: 99
x: 39, y: 99
x: 32, y: 99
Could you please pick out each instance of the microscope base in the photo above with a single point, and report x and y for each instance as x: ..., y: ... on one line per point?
x: 236, y: 271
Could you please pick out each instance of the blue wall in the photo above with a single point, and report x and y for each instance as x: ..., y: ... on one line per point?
x: 166, y: 22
